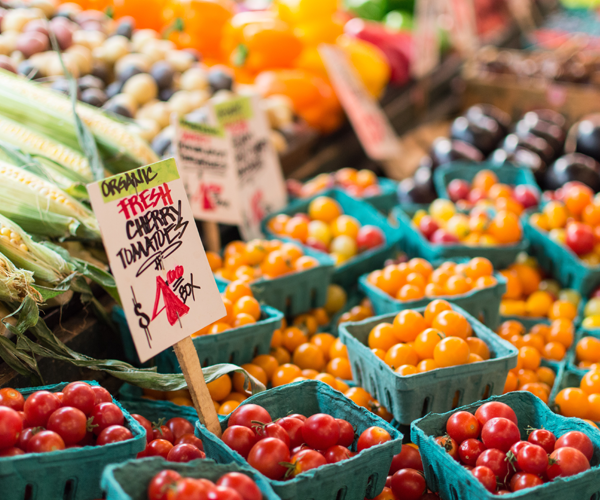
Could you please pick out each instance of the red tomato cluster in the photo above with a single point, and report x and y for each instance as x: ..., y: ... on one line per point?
x: 174, y: 440
x: 489, y: 444
x: 169, y: 485
x: 294, y: 444
x: 80, y: 415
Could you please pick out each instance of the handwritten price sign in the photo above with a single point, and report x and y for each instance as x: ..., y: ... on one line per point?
x: 156, y: 255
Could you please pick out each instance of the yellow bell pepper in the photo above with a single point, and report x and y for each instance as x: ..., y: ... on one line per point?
x: 303, y: 11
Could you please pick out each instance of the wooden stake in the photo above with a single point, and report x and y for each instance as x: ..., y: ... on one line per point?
x: 212, y: 237
x: 192, y: 371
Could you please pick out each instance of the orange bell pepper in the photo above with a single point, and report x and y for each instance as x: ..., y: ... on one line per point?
x: 147, y: 13
x: 312, y: 96
x: 322, y: 30
x: 258, y: 41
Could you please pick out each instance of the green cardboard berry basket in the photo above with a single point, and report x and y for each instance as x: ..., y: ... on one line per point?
x: 130, y: 480
x: 560, y: 261
x: 72, y: 474
x: 483, y: 304
x: 416, y: 245
x: 347, y: 274
x: 452, y: 481
x: 298, y: 292
x: 363, y: 475
x: 508, y: 174
x: 413, y: 396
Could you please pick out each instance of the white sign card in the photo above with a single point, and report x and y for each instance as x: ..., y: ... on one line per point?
x: 372, y: 127
x: 205, y: 158
x: 426, y: 38
x: 156, y: 256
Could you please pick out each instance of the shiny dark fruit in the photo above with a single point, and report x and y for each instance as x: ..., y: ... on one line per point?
x: 127, y: 71
x: 28, y: 70
x: 553, y: 134
x: 220, y: 78
x: 114, y: 88
x: 165, y: 94
x: 588, y: 137
x: 573, y: 167
x: 94, y: 97
x: 502, y: 119
x: 62, y: 85
x: 102, y: 71
x: 90, y: 82
x: 549, y: 116
x: 118, y: 109
x: 162, y: 72
x: 521, y: 157
x: 531, y: 142
x: 161, y: 143
x: 446, y: 150
x: 417, y: 189
x: 483, y: 132
x: 125, y: 27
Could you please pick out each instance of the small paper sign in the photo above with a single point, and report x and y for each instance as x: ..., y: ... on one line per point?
x: 205, y: 158
x: 372, y: 127
x: 426, y: 38
x: 156, y: 256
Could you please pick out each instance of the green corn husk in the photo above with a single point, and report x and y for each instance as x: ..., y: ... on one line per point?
x: 15, y: 283
x: 41, y: 208
x: 45, y: 264
x: 51, y: 113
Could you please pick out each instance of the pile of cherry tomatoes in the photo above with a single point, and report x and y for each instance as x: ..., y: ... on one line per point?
x: 294, y: 444
x: 489, y: 444
x: 80, y: 415
x: 357, y: 183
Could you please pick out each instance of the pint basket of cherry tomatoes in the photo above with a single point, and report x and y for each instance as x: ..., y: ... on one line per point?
x: 444, y: 232
x: 245, y: 332
x: 55, y: 440
x: 508, y: 444
x: 309, y: 441
x: 377, y: 191
x: 152, y: 479
x: 564, y: 236
x: 351, y: 231
x: 466, y: 184
x: 283, y: 275
x: 468, y: 283
x: 428, y: 359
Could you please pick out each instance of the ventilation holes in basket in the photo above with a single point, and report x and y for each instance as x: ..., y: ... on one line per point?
x: 288, y: 307
x: 388, y: 399
x: 231, y: 358
x: 594, y: 496
x: 453, y: 493
x: 456, y: 400
x: 425, y: 409
x: 28, y: 492
x: 357, y: 372
x: 69, y: 492
x: 487, y: 391
x: 205, y: 362
x: 371, y: 485
x: 341, y: 494
x: 374, y: 389
x: 255, y: 352
x: 313, y: 298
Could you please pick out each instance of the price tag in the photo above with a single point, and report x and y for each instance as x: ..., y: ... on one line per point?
x: 426, y: 38
x: 156, y: 256
x: 464, y: 26
x: 372, y: 127
x: 205, y: 157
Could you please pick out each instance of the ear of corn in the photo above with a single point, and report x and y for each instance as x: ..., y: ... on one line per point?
x: 45, y: 264
x: 15, y: 283
x: 41, y: 208
x: 50, y: 113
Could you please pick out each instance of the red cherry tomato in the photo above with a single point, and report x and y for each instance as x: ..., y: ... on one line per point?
x: 496, y: 461
x: 321, y: 431
x: 240, y: 439
x: 180, y: 426
x: 101, y: 395
x: 408, y: 458
x: 408, y: 484
x: 293, y: 427
x: 266, y: 457
x: 336, y: 454
x: 272, y: 430
x: 306, y: 460
x: 38, y: 407
x: 191, y: 439
x: 163, y: 432
x: 184, y: 453
x: 245, y: 414
x: 486, y: 477
x: 113, y: 434
x: 241, y: 483
x: 69, y: 423
x: 577, y: 440
x: 191, y: 489
x: 495, y: 409
x: 158, y: 448
x: 45, y: 441
x: 500, y: 433
x: 543, y: 438
x: 469, y: 451
x: 523, y: 480
x: 449, y: 445
x: 104, y: 415
x: 223, y: 493
x: 567, y: 462
x: 369, y: 237
x: 25, y: 436
x: 11, y: 452
x: 159, y: 487
x: 579, y: 238
x: 463, y: 425
x: 371, y: 437
x: 79, y: 395
x: 298, y: 416
x: 11, y: 398
x: 533, y: 459
x: 11, y: 426
x: 146, y: 424
x: 346, y: 433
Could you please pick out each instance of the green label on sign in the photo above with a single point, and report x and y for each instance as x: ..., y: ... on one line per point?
x: 201, y: 128
x: 132, y: 182
x: 234, y: 110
